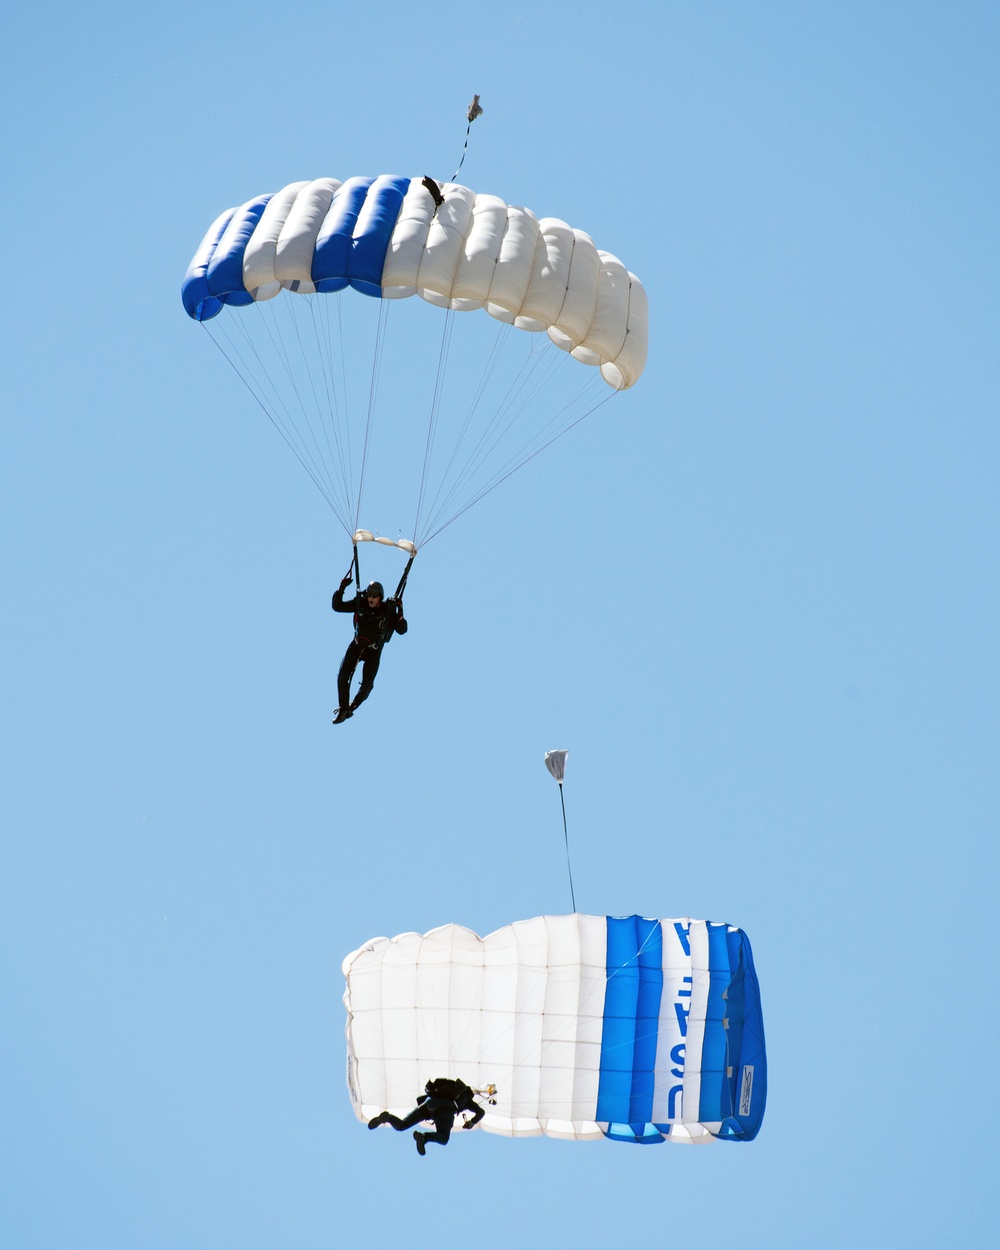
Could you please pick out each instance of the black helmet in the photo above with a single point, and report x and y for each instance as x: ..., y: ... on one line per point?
x: 375, y: 588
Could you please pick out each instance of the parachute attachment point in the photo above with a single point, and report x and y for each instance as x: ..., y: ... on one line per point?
x: 366, y: 536
x: 434, y: 189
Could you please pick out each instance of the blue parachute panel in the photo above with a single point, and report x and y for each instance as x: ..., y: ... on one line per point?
x: 746, y: 1045
x: 225, y: 270
x: 650, y: 960
x: 715, y: 1102
x: 731, y: 1060
x: 329, y: 262
x: 631, y: 1012
x: 374, y: 228
x: 198, y: 301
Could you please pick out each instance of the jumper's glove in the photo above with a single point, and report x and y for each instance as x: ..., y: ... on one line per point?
x: 345, y: 581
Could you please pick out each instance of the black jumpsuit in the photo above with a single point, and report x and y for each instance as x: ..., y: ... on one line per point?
x: 441, y: 1111
x: 373, y: 627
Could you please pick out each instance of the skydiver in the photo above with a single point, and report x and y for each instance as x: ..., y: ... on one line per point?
x: 376, y: 619
x: 443, y: 1100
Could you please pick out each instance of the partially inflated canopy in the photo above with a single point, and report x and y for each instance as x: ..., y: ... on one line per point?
x: 590, y: 1027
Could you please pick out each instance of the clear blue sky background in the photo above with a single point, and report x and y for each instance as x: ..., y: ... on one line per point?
x: 756, y: 597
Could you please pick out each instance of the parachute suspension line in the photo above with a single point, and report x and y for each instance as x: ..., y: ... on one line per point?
x: 398, y: 596
x: 437, y: 505
x: 569, y: 867
x: 269, y: 318
x: 334, y: 423
x: 442, y: 364
x: 347, y: 410
x: 503, y: 420
x: 537, y: 370
x: 563, y: 414
x: 259, y: 382
x: 357, y: 570
x: 317, y: 405
x: 528, y: 387
x: 383, y: 316
x: 329, y: 337
x: 257, y: 390
x: 502, y: 476
x: 474, y: 110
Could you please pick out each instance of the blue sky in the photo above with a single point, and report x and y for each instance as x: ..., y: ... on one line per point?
x: 756, y: 597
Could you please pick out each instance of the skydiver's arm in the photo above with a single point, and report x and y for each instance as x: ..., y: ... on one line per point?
x: 398, y: 620
x: 338, y: 603
x: 479, y: 1112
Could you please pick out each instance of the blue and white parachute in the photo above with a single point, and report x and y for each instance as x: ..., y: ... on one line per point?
x: 589, y: 1027
x: 392, y: 237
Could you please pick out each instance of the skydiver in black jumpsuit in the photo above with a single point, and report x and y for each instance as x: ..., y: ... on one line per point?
x: 444, y: 1100
x: 376, y: 619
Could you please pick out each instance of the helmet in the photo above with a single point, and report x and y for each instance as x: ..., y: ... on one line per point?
x: 375, y: 588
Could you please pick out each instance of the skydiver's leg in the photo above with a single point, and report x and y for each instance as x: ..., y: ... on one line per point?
x: 416, y: 1116
x: 430, y: 1109
x: 347, y: 667
x: 443, y: 1125
x: 368, y: 671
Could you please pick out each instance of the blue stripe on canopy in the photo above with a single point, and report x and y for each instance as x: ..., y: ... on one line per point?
x: 715, y: 1103
x: 198, y: 301
x: 374, y: 228
x: 225, y: 270
x: 333, y: 247
x: 746, y: 1042
x: 634, y: 966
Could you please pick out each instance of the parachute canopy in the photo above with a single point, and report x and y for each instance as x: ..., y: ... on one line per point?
x: 455, y: 417
x: 394, y: 237
x: 590, y: 1027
